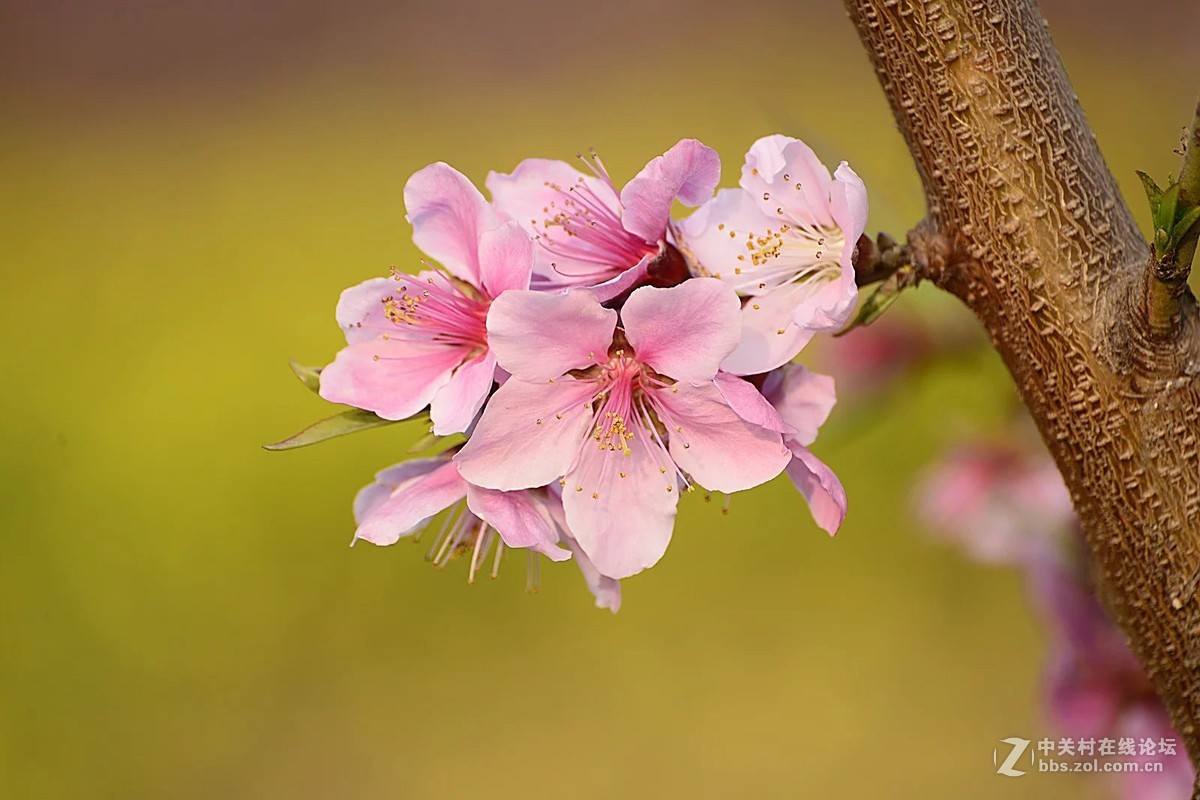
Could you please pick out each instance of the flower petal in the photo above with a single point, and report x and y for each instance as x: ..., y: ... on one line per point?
x: 505, y: 259
x: 521, y: 442
x: 391, y: 377
x: 786, y: 179
x: 519, y: 519
x: 448, y: 214
x: 537, y: 336
x: 411, y: 503
x: 360, y: 310
x: 685, y: 331
x: 454, y: 407
x: 714, y: 239
x: 606, y: 590
x: 848, y: 206
x: 770, y: 335
x: 532, y: 196
x: 820, y: 487
x: 607, y: 290
x: 719, y: 449
x: 621, y: 509
x: 372, y: 495
x: 750, y: 404
x: 689, y: 172
x: 803, y: 398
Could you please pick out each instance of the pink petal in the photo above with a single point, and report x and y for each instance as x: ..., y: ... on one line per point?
x: 528, y: 197
x: 372, y: 495
x: 804, y: 399
x: 770, y: 335
x: 719, y: 449
x: 505, y: 259
x: 685, y: 331
x: 750, y: 404
x: 713, y: 239
x: 537, y: 336
x: 848, y: 206
x: 786, y: 179
x: 510, y: 449
x: 454, y: 407
x: 820, y: 487
x: 689, y: 172
x: 360, y: 309
x: 519, y: 519
x: 603, y: 292
x: 606, y: 590
x: 621, y: 509
x: 393, y: 378
x: 827, y: 305
x: 411, y: 503
x: 448, y: 214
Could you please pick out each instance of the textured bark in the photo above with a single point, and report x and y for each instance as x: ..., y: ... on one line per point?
x: 1026, y: 226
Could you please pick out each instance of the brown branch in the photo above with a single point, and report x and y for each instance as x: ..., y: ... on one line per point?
x: 1026, y: 226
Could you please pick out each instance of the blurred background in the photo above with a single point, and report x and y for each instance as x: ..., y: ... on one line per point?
x: 186, y: 188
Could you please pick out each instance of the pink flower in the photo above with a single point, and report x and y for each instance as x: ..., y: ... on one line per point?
x: 784, y: 240
x: 404, y: 498
x: 804, y: 401
x: 872, y: 359
x: 589, y: 233
x: 1095, y: 686
x: 623, y: 419
x: 1003, y: 503
x: 417, y: 341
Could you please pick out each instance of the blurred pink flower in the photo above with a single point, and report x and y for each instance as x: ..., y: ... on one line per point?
x: 999, y: 501
x: 1006, y: 504
x: 416, y: 341
x: 1095, y: 687
x: 404, y: 498
x: 785, y: 240
x: 870, y: 359
x: 621, y: 418
x: 591, y: 235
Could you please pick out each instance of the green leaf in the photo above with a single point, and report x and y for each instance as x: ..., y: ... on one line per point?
x: 342, y: 424
x: 874, y: 306
x: 1153, y: 193
x: 309, y: 376
x: 1165, y: 219
x: 1183, y: 227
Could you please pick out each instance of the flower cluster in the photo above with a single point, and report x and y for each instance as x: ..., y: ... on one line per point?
x: 600, y: 357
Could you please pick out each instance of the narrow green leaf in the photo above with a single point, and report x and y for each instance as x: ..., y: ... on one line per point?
x: 1153, y: 193
x: 342, y: 424
x: 1166, y: 210
x: 309, y: 376
x: 874, y: 306
x: 1183, y: 227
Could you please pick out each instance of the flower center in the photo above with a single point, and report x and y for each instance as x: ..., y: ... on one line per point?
x: 789, y: 254
x: 584, y: 225
x: 435, y: 308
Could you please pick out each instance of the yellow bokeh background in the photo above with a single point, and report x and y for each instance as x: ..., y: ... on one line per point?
x: 180, y: 614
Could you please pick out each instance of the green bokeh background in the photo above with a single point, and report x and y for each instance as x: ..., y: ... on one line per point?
x: 180, y: 615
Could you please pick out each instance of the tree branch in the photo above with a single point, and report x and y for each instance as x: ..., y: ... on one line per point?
x: 1026, y: 226
x: 1189, y: 183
